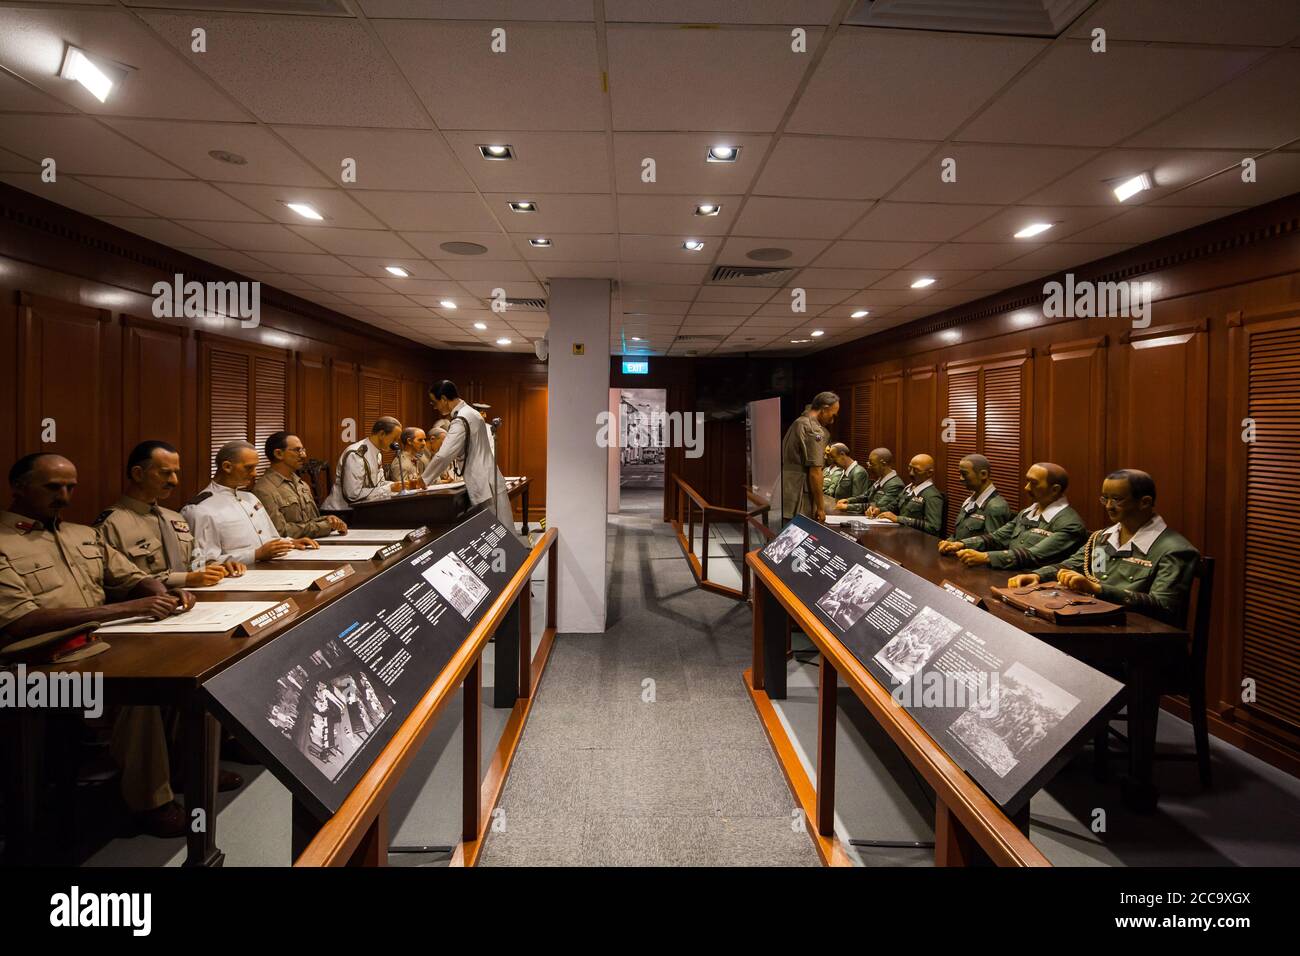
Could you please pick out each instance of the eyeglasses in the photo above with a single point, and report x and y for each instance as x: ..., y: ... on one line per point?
x: 1107, y: 499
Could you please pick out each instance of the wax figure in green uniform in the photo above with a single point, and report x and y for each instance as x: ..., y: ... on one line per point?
x: 803, y: 454
x: 831, y: 472
x: 1046, y: 531
x: 850, y: 478
x: 921, y: 505
x: 985, y: 510
x: 883, y: 492
x: 1138, y: 561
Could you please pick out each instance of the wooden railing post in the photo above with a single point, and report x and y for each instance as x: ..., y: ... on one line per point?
x: 704, y: 544
x: 526, y: 642
x: 471, y: 762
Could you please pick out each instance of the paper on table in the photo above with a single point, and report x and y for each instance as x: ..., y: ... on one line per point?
x: 335, y: 552
x: 206, y: 616
x: 450, y: 484
x: 267, y: 580
x: 844, y: 519
x: 366, y: 536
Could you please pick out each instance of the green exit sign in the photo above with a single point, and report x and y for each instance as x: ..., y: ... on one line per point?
x: 636, y: 366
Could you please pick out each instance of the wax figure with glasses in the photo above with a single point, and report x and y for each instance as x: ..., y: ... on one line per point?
x: 882, y: 494
x: 287, y: 498
x: 803, y: 456
x: 920, y: 505
x: 360, y: 472
x: 155, y: 539
x: 1046, y: 531
x: 467, y: 435
x: 1138, y: 561
x: 230, y: 523
x: 848, y: 478
x: 984, y: 511
x: 56, y: 575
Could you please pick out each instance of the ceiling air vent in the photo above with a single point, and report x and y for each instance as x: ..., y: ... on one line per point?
x: 526, y: 305
x: 1031, y: 18
x: 750, y: 275
x: 698, y: 338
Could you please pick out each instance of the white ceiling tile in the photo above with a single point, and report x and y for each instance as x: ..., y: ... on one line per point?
x: 1001, y: 279
x: 798, y: 218
x: 871, y: 255
x: 421, y: 271
x: 675, y: 273
x: 544, y: 162
x: 738, y: 250
x: 498, y: 246
x: 1276, y: 175
x: 569, y: 247
x: 814, y: 296
x: 664, y: 249
x: 489, y: 271
x: 252, y: 236
x: 793, y: 12
x: 903, y: 84
x: 349, y: 283
x: 1150, y: 222
x: 334, y: 204
x: 918, y: 222
x: 67, y: 191
x: 654, y: 307
x: 1093, y: 183
x: 1065, y: 255
x: 164, y: 231
x: 716, y: 309
x: 556, y: 213
x: 846, y: 168
x: 229, y: 259
x: 320, y: 71
x: 417, y: 288
x: 565, y: 269
x: 1247, y: 22
x: 989, y: 174
x: 189, y: 145
x: 393, y: 159
x: 178, y: 198
x: 903, y: 279
x: 839, y: 278
x: 19, y: 96
x: 969, y: 255
x: 717, y: 293
x: 1066, y: 220
x: 675, y: 215
x: 78, y: 144
x: 355, y: 242
x: 475, y: 9
x: 307, y: 265
x: 680, y: 165
x: 656, y: 290
x: 281, y: 281
x: 376, y: 299
x: 664, y: 78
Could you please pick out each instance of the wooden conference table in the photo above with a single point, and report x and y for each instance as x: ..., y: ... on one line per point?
x: 427, y: 506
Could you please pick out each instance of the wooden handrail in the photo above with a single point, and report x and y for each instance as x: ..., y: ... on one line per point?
x: 1001, y: 839
x: 341, y: 835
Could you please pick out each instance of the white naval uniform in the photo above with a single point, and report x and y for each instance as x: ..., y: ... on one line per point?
x: 468, y: 434
x: 228, y: 525
x: 358, y: 477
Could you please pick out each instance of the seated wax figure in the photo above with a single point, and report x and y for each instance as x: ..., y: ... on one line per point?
x: 286, y: 497
x: 230, y: 524
x: 155, y: 539
x: 409, y: 462
x: 1046, y: 531
x: 985, y: 510
x: 453, y: 471
x: 360, y: 472
x: 831, y: 472
x: 56, y: 575
x: 846, y: 479
x: 883, y: 492
x: 1139, y: 561
x: 921, y: 504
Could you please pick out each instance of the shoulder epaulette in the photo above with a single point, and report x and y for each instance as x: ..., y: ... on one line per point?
x: 103, y: 516
x: 199, y: 498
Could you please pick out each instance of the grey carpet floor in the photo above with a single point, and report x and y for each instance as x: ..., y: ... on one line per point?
x: 643, y: 748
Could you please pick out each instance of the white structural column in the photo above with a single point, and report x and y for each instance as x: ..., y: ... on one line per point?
x: 577, y: 468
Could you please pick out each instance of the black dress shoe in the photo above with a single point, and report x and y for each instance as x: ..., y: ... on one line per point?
x: 166, y: 822
x: 228, y: 780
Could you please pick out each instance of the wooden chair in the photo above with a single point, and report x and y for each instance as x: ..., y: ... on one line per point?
x: 317, y: 474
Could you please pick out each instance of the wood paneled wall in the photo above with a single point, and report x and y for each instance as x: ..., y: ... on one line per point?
x: 1098, y: 394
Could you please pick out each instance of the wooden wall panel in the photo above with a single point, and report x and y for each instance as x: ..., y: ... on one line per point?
x: 1074, y: 410
x: 347, y: 408
x: 861, y: 441
x: 159, y: 395
x: 920, y: 415
x: 532, y: 447
x: 312, y: 419
x: 963, y: 389
x: 889, y: 417
x: 1004, y: 393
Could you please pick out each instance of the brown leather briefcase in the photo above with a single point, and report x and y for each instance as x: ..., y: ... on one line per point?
x: 1054, y: 603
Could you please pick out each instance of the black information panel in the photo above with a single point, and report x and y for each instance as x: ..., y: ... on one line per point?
x: 1004, y: 705
x: 319, y: 702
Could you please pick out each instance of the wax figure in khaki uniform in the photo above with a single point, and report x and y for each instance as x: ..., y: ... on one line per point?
x: 831, y: 472
x: 56, y: 575
x: 229, y: 523
x: 468, y: 435
x: 287, y: 498
x: 360, y: 472
x: 921, y: 505
x: 985, y: 510
x: 1046, y: 531
x: 849, y: 478
x: 1139, y: 561
x: 882, y: 494
x: 803, y: 455
x: 411, y: 460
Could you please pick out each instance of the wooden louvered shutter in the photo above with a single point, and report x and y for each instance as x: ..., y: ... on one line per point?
x: 863, y: 398
x: 963, y: 409
x: 228, y: 381
x: 1270, y: 638
x: 270, y: 401
x: 1002, y: 427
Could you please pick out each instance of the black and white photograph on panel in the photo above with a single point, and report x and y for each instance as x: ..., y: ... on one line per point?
x: 459, y: 586
x: 909, y: 650
x: 328, y: 706
x: 785, y: 542
x: 848, y: 600
x: 1020, y: 710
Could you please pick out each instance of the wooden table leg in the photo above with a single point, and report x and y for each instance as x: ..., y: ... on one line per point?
x: 471, y: 763
x: 525, y: 689
x: 953, y: 845
x: 826, y: 725
x: 505, y: 659
x: 201, y: 739
x: 1139, y: 789
x: 524, y: 504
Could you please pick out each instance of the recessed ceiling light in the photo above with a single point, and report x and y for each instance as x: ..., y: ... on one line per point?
x: 1033, y: 229
x: 1131, y: 187
x: 860, y: 314
x: 818, y: 333
x: 692, y: 245
x: 636, y: 338
x: 524, y: 205
x: 77, y: 66
x: 481, y: 326
x: 447, y: 304
x: 397, y: 271
x: 708, y: 209
x: 304, y: 210
x: 225, y: 156
x: 503, y: 341
x: 723, y: 154
x: 923, y: 282
x: 541, y: 242
x: 497, y: 151
x: 799, y: 341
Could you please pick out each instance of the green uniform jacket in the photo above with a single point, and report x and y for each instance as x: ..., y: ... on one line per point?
x: 922, y: 510
x: 847, y: 484
x: 982, y: 519
x: 831, y: 475
x: 1156, y: 581
x: 1028, y: 542
x: 883, y: 495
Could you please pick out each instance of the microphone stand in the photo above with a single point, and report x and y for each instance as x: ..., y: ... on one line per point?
x: 401, y: 468
x: 509, y: 520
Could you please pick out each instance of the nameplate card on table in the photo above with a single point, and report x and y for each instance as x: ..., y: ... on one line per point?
x: 263, y: 579
x: 284, y: 611
x: 205, y: 617
x: 1003, y: 705
x: 320, y: 702
x: 968, y: 596
x: 339, y: 552
x: 375, y: 536
x: 340, y: 573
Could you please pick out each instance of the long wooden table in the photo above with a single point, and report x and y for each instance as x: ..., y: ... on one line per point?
x: 444, y: 506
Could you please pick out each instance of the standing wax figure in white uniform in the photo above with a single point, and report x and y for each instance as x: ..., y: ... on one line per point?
x: 228, y: 521
x: 360, y: 472
x: 468, y: 435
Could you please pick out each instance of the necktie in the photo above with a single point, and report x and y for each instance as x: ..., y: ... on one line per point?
x: 171, y: 544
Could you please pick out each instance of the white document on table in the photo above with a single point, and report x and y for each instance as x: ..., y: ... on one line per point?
x: 374, y: 536
x: 335, y: 552
x: 206, y: 616
x: 447, y: 486
x: 844, y: 519
x: 268, y: 580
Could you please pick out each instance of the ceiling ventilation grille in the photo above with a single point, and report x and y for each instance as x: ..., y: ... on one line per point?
x: 749, y: 275
x: 526, y: 305
x: 698, y: 338
x: 1033, y: 18
x: 318, y: 8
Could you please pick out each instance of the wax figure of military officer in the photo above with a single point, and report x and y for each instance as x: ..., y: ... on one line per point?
x: 468, y: 435
x: 831, y: 472
x: 1046, y: 531
x: 803, y: 455
x: 882, y: 494
x: 921, y: 504
x: 56, y: 575
x: 286, y: 497
x: 985, y: 510
x: 412, y: 458
x: 850, y: 478
x: 155, y: 539
x: 360, y: 472
x: 1138, y: 561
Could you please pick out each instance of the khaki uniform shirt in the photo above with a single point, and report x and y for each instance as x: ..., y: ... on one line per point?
x: 146, y: 534
x: 68, y: 566
x: 802, y: 448
x: 405, y: 467
x: 290, y: 505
